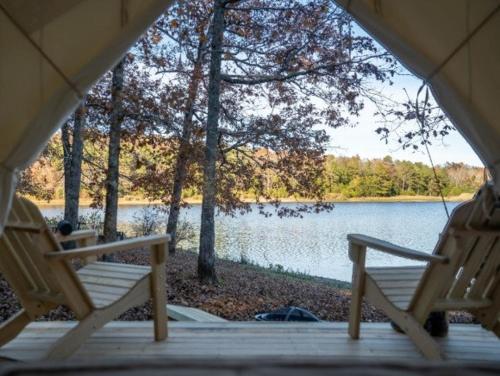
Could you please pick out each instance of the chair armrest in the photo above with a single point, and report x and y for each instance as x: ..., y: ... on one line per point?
x: 393, y: 249
x: 103, y: 249
x: 80, y: 236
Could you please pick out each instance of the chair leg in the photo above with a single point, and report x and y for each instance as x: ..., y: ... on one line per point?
x: 160, y: 320
x: 419, y: 336
x: 408, y: 324
x: 356, y: 301
x: 158, y: 293
x: 13, y: 326
x: 71, y: 341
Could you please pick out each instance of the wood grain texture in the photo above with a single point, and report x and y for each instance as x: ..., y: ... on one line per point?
x: 357, y: 253
x: 253, y: 367
x: 181, y: 313
x: 393, y: 249
x: 103, y: 249
x: 78, y: 236
x: 158, y: 292
x: 121, y: 340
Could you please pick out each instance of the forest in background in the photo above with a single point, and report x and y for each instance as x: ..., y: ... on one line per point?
x: 341, y: 177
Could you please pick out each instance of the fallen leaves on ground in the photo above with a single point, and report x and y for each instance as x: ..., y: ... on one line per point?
x: 242, y: 291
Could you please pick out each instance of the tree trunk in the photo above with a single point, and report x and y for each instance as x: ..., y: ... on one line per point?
x: 73, y: 167
x: 111, y: 211
x: 181, y: 164
x: 66, y: 144
x: 206, y: 256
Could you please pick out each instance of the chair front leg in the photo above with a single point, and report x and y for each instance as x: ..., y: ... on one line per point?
x: 158, y: 290
x: 357, y: 253
x: 13, y: 326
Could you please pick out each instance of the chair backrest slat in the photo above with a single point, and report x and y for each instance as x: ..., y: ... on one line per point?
x: 9, y: 267
x: 470, y: 267
x: 474, y: 256
x: 21, y: 246
x: 30, y: 274
x: 489, y: 316
x: 487, y: 273
x: 26, y: 266
x: 476, y: 266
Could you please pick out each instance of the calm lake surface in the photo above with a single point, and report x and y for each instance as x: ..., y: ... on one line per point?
x: 316, y: 244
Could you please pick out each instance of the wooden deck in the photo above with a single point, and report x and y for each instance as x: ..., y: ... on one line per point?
x: 183, y: 313
x: 231, y: 340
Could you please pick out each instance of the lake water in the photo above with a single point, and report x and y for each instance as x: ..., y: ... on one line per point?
x: 316, y: 244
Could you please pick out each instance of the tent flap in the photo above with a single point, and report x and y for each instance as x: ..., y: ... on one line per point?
x: 80, y: 40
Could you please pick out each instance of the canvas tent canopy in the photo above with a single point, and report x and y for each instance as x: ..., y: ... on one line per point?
x: 52, y: 51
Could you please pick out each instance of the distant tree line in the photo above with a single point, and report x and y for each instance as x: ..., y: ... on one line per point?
x: 340, y: 178
x: 355, y: 177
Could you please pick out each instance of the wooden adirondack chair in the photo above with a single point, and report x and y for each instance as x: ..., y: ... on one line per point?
x: 463, y: 273
x: 40, y: 272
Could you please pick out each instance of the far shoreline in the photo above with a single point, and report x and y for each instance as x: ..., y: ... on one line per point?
x: 196, y: 201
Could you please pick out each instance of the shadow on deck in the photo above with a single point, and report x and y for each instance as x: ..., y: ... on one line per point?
x: 231, y: 340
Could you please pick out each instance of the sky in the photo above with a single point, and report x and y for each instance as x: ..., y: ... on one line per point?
x: 362, y: 140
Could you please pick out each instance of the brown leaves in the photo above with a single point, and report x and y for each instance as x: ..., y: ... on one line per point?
x: 156, y: 38
x: 243, y: 291
x: 174, y: 24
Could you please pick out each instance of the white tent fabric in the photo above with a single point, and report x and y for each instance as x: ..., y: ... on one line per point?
x: 455, y: 46
x: 52, y: 51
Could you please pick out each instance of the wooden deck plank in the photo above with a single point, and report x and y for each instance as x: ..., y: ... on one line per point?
x: 251, y: 367
x: 181, y: 313
x: 121, y: 340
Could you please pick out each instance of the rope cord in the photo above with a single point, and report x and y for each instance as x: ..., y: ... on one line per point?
x: 421, y: 122
x: 421, y: 115
x: 41, y: 52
